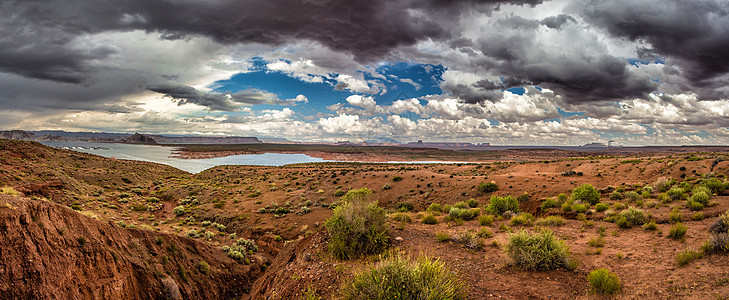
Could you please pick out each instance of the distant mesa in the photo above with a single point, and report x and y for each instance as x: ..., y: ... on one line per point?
x: 51, y: 138
x: 17, y: 135
x: 446, y: 145
x: 137, y: 138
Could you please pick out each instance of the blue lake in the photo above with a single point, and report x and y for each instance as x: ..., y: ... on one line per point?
x: 159, y: 154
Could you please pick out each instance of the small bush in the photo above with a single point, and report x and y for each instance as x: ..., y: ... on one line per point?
x: 339, y: 193
x: 537, y: 251
x: 397, y: 178
x: 597, y: 242
x: 586, y: 193
x: 602, y: 206
x: 615, y: 195
x: 401, y: 217
x: 442, y: 237
x: 435, y: 207
x: 676, y: 193
x: 686, y: 256
x: 404, y: 207
x: 469, y: 240
x: 358, y: 226
x: 604, y: 282
x: 498, y: 205
x: 675, y: 216
x: 694, y: 206
x: 650, y: 226
x: 8, y: 190
x: 714, y: 184
x: 524, y: 219
x: 579, y: 208
x: 631, y: 217
x: 485, y: 220
x: 633, y: 196
x: 550, y: 203
x: 401, y: 278
x: 700, y: 197
x: 488, y: 187
x: 678, y: 231
x: 179, y: 210
x: 430, y: 219
x: 550, y: 221
x: 472, y: 203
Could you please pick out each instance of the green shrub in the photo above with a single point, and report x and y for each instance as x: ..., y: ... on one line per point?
x: 469, y: 240
x: 397, y: 178
x: 461, y: 205
x: 633, y: 196
x: 488, y: 187
x: 404, y: 207
x: 615, y: 195
x: 675, y: 216
x: 9, y: 190
x: 179, y: 210
x: 586, y: 193
x: 430, y: 219
x: 523, y: 197
x: 678, y: 231
x: 537, y: 251
x: 400, y: 278
x: 597, y: 242
x: 714, y: 184
x: 700, y: 197
x: 465, y: 214
x: 686, y: 256
x: 524, y: 219
x: 579, y: 208
x: 650, y: 226
x: 498, y: 205
x: 676, y: 193
x: 435, y: 207
x: 631, y: 217
x: 339, y: 193
x: 645, y: 194
x: 604, y: 282
x: 550, y: 221
x: 694, y: 206
x: 550, y: 203
x: 472, y: 203
x: 485, y: 220
x: 401, y: 217
x: 602, y: 206
x: 442, y: 237
x: 358, y: 226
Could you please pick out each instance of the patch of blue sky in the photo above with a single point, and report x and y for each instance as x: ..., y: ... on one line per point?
x: 403, y: 81
x: 638, y: 62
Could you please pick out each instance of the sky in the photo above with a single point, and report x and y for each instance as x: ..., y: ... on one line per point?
x: 505, y: 72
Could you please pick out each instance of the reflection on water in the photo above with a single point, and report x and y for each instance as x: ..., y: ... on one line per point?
x: 159, y: 154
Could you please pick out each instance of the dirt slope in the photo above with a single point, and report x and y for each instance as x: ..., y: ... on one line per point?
x: 49, y: 251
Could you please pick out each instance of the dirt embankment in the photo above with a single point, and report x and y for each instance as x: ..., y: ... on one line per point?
x: 49, y: 251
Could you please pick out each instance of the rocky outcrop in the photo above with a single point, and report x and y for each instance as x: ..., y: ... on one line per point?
x: 17, y: 135
x: 49, y: 251
x: 137, y: 138
x: 51, y: 138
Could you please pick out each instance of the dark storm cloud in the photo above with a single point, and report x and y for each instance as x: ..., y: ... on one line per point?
x: 572, y: 67
x: 695, y: 34
x: 184, y: 94
x: 556, y: 22
x: 39, y: 35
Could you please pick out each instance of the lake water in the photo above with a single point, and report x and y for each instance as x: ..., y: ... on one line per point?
x: 159, y: 154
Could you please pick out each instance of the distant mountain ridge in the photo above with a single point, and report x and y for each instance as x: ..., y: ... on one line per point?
x: 136, y: 138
